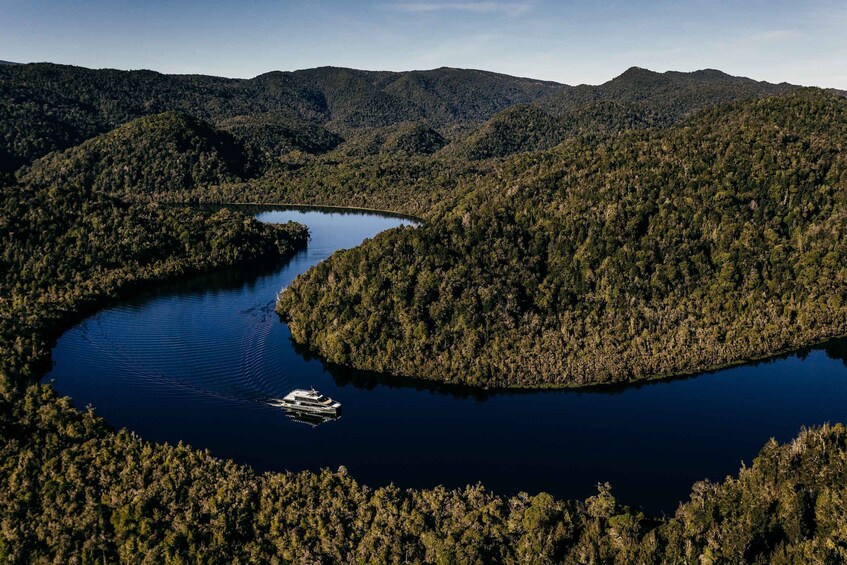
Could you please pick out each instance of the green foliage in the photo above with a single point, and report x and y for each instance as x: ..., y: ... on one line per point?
x: 607, y: 259
x: 414, y: 139
x: 786, y: 508
x: 401, y: 140
x: 410, y: 184
x: 455, y: 96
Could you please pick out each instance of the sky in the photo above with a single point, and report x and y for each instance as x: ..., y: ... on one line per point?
x: 569, y: 41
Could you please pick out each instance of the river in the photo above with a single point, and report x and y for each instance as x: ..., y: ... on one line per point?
x: 196, y: 361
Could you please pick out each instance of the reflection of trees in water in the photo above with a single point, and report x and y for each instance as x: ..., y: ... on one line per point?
x: 369, y: 380
x: 345, y: 376
x: 256, y: 209
x: 224, y: 280
x: 836, y: 349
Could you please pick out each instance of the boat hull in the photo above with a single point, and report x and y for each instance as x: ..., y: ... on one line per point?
x: 307, y: 409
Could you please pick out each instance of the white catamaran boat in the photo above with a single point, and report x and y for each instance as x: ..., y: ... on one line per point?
x: 309, y: 402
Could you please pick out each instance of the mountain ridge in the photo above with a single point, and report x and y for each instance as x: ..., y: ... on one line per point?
x: 638, y: 98
x: 46, y: 107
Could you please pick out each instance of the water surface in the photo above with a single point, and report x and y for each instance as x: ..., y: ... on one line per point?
x: 194, y: 361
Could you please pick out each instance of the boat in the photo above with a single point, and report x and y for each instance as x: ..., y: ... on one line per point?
x: 308, y: 402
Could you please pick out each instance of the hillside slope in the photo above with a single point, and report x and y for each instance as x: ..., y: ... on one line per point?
x: 414, y: 138
x: 607, y: 259
x: 520, y: 128
x: 155, y: 154
x: 74, y: 489
x: 272, y: 135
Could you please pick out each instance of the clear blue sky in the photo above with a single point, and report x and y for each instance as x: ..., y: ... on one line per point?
x: 803, y: 42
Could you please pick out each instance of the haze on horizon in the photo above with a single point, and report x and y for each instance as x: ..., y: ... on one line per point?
x: 570, y: 42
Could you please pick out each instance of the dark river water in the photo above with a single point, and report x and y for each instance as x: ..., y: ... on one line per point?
x: 196, y: 361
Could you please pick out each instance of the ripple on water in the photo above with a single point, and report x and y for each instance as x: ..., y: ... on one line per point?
x: 223, y: 356
x: 214, y: 344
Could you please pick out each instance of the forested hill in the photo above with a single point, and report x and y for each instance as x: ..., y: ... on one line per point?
x: 169, y: 151
x: 637, y: 99
x: 607, y: 259
x: 44, y: 107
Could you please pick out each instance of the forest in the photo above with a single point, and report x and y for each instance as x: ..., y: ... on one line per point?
x: 604, y: 260
x: 702, y: 224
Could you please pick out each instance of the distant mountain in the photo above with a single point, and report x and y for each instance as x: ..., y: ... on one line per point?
x: 662, y: 98
x: 451, y: 96
x: 8, y: 63
x: 636, y: 99
x: 169, y: 151
x: 44, y: 107
x: 673, y: 92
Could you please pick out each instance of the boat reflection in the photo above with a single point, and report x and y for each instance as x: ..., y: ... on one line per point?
x: 310, y: 418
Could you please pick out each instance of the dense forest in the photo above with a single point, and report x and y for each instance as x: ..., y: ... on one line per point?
x: 270, y: 135
x: 609, y: 254
x: 45, y: 107
x: 607, y: 259
x: 76, y: 491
